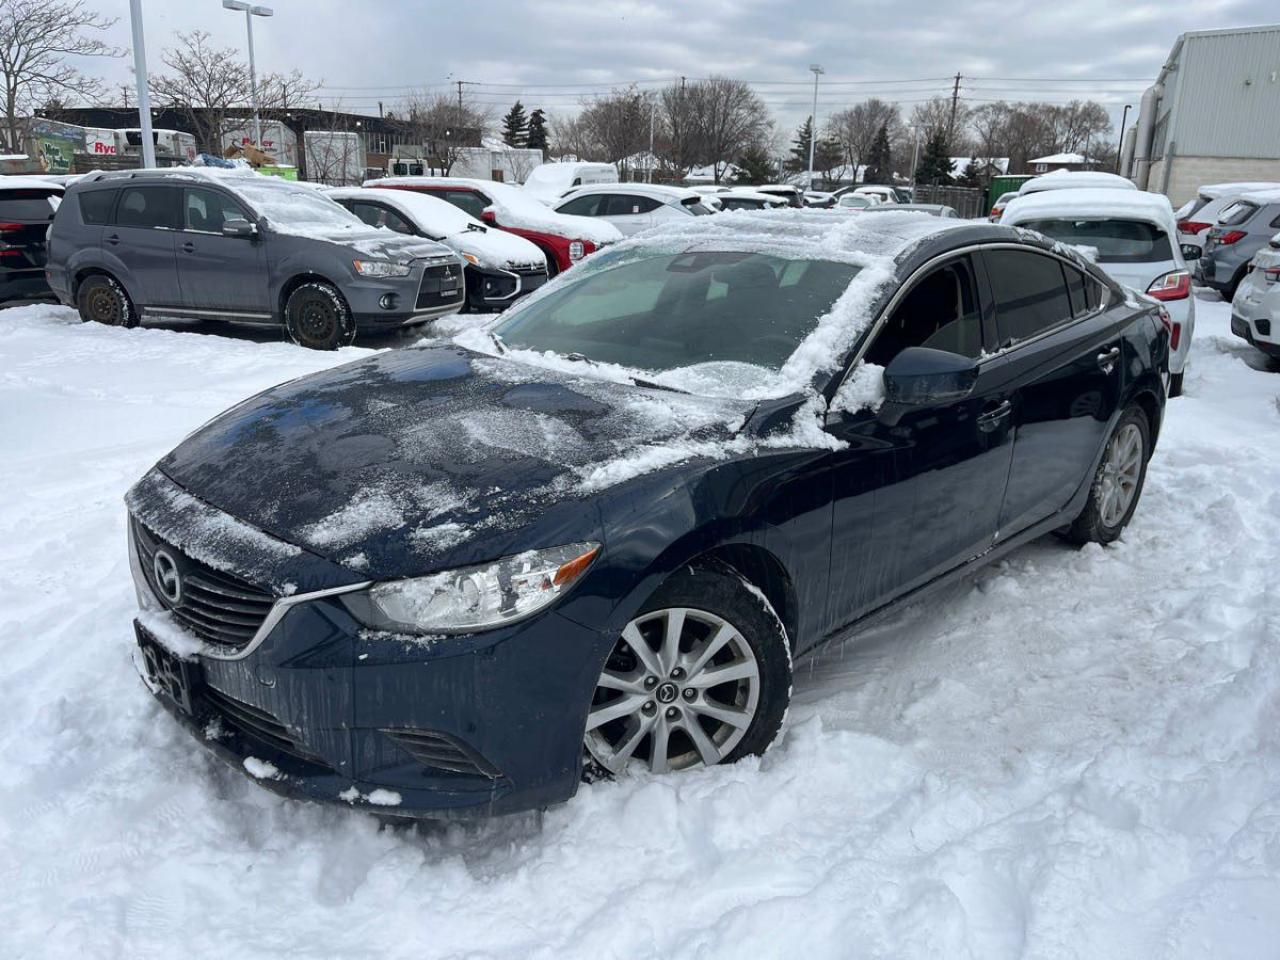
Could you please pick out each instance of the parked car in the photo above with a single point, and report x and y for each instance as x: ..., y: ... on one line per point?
x: 1076, y: 180
x: 1002, y: 201
x: 500, y: 267
x: 750, y: 199
x: 193, y: 243
x: 859, y: 201
x: 1243, y: 228
x: 421, y: 583
x: 563, y: 239
x: 896, y: 193
x: 1134, y: 239
x: 788, y: 192
x: 632, y: 207
x: 550, y: 181
x: 884, y: 194
x: 27, y: 205
x: 821, y: 199
x: 1200, y: 213
x: 1255, y: 309
x: 932, y: 209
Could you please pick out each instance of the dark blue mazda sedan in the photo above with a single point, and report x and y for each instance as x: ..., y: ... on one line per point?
x: 450, y: 578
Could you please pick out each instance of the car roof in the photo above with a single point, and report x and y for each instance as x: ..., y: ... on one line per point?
x: 655, y: 190
x: 1221, y: 191
x: 1092, y: 204
x: 1264, y: 197
x: 750, y: 193
x: 428, y: 210
x: 1075, y: 179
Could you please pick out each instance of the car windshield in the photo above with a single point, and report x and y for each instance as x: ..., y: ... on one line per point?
x: 1117, y: 241
x: 298, y: 209
x: 677, y: 311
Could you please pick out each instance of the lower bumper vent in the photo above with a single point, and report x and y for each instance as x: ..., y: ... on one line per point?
x: 443, y: 752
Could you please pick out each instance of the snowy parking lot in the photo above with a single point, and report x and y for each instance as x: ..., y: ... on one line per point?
x: 1074, y: 754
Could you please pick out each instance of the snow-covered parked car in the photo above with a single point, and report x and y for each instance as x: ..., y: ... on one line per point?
x: 213, y: 244
x: 1075, y: 180
x: 1135, y: 239
x: 1197, y: 216
x: 500, y: 266
x: 563, y: 239
x: 632, y: 207
x: 422, y: 583
x: 749, y: 198
x: 548, y: 182
x: 1255, y: 310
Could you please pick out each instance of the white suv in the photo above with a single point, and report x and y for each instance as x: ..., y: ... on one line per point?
x: 632, y: 207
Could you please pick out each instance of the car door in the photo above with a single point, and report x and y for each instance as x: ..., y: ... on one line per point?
x: 629, y: 212
x: 1062, y: 359
x: 144, y: 236
x: 220, y: 275
x: 916, y: 496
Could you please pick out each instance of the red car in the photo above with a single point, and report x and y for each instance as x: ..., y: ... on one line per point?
x: 563, y: 238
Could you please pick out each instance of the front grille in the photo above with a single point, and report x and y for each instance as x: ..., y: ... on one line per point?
x: 256, y: 724
x: 216, y: 606
x: 528, y: 269
x: 442, y: 752
x: 441, y: 285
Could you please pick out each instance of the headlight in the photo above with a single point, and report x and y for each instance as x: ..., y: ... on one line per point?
x: 577, y: 250
x: 471, y: 258
x: 474, y: 598
x: 381, y: 268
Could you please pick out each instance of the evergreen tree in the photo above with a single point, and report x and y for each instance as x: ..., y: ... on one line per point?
x: 971, y: 176
x: 827, y: 156
x: 880, y: 159
x: 754, y: 166
x: 515, y: 126
x: 799, y: 159
x: 536, y: 136
x: 935, y: 166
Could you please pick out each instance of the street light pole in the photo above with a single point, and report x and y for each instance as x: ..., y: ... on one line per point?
x: 813, y: 118
x: 1124, y: 118
x: 251, y: 11
x: 140, y: 74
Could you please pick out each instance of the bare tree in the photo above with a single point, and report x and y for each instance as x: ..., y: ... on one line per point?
x: 680, y: 139
x: 570, y: 137
x: 281, y: 93
x: 729, y: 119
x: 36, y: 38
x: 445, y: 126
x: 619, y: 123
x: 934, y: 116
x: 856, y: 127
x: 204, y: 83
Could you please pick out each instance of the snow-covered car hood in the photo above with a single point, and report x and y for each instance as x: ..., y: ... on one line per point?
x: 388, y: 464
x: 496, y: 249
x: 384, y: 244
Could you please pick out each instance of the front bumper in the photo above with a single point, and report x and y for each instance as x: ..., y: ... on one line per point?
x: 494, y: 289
x: 384, y: 303
x: 321, y: 709
x: 1255, y: 315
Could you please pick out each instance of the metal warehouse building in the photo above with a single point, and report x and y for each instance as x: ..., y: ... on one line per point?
x: 1213, y: 114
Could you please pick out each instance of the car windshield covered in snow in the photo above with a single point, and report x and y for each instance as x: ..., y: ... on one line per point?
x: 297, y: 210
x: 1117, y: 241
x: 667, y: 312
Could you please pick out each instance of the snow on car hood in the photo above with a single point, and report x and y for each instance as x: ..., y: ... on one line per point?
x: 403, y: 456
x: 496, y: 249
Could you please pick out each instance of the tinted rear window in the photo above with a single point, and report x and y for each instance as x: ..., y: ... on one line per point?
x: 1030, y: 293
x: 1237, y: 213
x: 95, y: 205
x: 28, y: 205
x: 1117, y: 241
x: 150, y: 207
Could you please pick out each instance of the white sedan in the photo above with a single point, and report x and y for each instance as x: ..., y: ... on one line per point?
x: 1132, y: 235
x: 632, y: 207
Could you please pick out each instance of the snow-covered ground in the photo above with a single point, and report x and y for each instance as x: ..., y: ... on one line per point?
x: 1076, y: 754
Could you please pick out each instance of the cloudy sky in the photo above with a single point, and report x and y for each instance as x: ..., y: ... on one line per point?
x: 551, y: 54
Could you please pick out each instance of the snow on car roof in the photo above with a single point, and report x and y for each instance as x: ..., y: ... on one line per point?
x: 1213, y: 191
x: 1262, y: 196
x: 517, y: 208
x: 641, y: 189
x: 1075, y: 179
x: 1095, y: 204
x: 28, y: 183
x: 432, y: 213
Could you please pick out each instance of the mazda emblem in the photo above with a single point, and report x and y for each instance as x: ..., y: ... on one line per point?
x: 168, y: 580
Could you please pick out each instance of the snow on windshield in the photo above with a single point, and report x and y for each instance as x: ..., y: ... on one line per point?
x: 297, y: 211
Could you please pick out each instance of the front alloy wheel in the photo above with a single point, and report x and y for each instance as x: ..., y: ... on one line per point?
x: 688, y: 685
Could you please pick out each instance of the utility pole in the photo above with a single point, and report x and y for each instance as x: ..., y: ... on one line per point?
x: 813, y: 118
x: 1124, y: 118
x: 250, y: 11
x: 653, y: 116
x: 379, y: 108
x: 951, y: 124
x: 140, y: 74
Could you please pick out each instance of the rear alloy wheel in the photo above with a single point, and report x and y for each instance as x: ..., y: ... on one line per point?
x: 1117, y: 485
x: 317, y: 317
x: 101, y: 299
x: 701, y: 676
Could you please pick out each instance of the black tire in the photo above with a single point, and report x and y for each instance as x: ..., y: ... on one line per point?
x: 1092, y: 526
x: 1175, y: 384
x: 1229, y: 291
x: 101, y: 299
x: 553, y: 267
x: 717, y: 591
x: 318, y: 318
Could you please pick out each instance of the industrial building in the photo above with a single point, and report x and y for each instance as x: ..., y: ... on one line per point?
x: 1212, y: 116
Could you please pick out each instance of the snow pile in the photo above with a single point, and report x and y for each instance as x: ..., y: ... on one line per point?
x: 862, y: 390
x: 1072, y: 754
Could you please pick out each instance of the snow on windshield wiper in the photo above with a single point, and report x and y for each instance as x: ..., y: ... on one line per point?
x: 497, y: 341
x: 637, y: 381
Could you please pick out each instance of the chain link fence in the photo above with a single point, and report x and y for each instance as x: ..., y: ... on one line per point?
x: 969, y: 202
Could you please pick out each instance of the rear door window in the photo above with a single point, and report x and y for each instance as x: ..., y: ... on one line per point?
x: 626, y: 204
x: 1030, y: 294
x: 586, y: 206
x: 95, y: 205
x: 28, y: 206
x: 1117, y: 241
x: 155, y: 207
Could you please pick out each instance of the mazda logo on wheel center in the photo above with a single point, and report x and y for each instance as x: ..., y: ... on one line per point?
x: 667, y: 693
x: 168, y: 581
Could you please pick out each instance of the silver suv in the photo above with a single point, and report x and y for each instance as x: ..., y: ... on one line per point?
x: 1243, y: 229
x: 242, y: 247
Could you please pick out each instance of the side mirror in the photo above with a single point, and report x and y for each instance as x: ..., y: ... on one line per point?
x: 489, y: 217
x: 922, y: 376
x: 239, y: 228
x: 1191, y: 252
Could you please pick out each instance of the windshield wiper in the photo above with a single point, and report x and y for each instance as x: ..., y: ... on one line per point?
x: 497, y: 341
x: 636, y: 381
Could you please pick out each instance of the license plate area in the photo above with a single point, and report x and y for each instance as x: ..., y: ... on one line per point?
x: 177, y: 678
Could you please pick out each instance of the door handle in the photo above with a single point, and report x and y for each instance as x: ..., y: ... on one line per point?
x: 113, y: 239
x: 188, y: 247
x: 1107, y: 359
x: 993, y: 416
